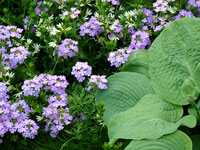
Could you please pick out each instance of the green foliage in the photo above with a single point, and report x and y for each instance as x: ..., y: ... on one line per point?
x: 175, y: 141
x: 171, y: 69
x: 125, y: 89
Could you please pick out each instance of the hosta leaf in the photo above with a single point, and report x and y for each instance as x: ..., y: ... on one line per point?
x: 173, y: 57
x: 175, y: 141
x: 125, y: 89
x: 150, y: 118
x: 192, y: 111
x: 137, y: 62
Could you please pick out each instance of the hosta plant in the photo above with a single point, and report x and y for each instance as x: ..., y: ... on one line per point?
x: 157, y: 91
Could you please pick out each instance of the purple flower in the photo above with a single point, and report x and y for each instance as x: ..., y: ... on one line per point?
x: 91, y: 27
x: 160, y: 5
x: 139, y: 40
x: 97, y: 81
x: 57, y: 114
x: 68, y: 48
x: 184, y: 13
x: 17, y: 56
x: 3, y: 91
x: 118, y: 57
x: 53, y: 83
x: 7, y: 32
x: 80, y: 70
x: 28, y: 128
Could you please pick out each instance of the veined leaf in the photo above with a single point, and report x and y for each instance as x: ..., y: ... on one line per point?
x: 173, y: 57
x: 175, y: 141
x: 150, y: 118
x: 125, y: 89
x: 137, y: 62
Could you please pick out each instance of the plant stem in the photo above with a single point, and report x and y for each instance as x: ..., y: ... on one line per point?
x: 67, y: 142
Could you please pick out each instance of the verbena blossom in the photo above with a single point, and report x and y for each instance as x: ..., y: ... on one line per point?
x: 184, y: 13
x: 16, y: 56
x: 68, y: 48
x: 7, y: 32
x: 81, y: 70
x: 92, y: 27
x: 194, y: 3
x: 74, y: 12
x: 114, y: 2
x: 26, y: 22
x: 52, y: 83
x: 139, y: 40
x: 118, y: 57
x: 97, y: 81
x: 57, y: 114
x: 160, y: 5
x: 14, y: 117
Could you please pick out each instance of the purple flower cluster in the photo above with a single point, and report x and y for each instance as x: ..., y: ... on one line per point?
x: 38, y: 10
x: 184, y: 13
x: 114, y: 2
x: 160, y: 5
x: 194, y: 3
x: 139, y: 40
x: 7, y: 32
x: 91, y: 27
x: 14, y: 117
x: 68, y: 48
x: 118, y: 57
x: 118, y: 30
x: 80, y: 70
x: 97, y: 81
x: 17, y: 56
x: 74, y: 12
x: 25, y: 22
x: 57, y: 114
x: 148, y: 18
x: 52, y: 83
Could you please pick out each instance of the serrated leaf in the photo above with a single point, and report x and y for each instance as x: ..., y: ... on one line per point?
x: 150, y: 118
x: 175, y: 141
x: 137, y: 62
x: 125, y: 89
x: 173, y: 57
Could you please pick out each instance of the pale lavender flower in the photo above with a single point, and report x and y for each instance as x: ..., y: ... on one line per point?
x: 160, y: 5
x: 139, y: 40
x: 184, y: 13
x: 68, y: 48
x: 81, y: 70
x: 92, y: 27
x: 97, y: 81
x: 114, y: 2
x: 118, y: 57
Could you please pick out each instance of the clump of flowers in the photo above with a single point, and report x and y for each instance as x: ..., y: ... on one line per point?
x: 92, y: 27
x: 118, y: 57
x: 53, y: 83
x: 74, y: 12
x: 184, y: 13
x: 14, y: 117
x: 114, y: 2
x: 81, y: 70
x: 17, y: 56
x: 97, y: 81
x: 160, y: 5
x: 68, y: 48
x: 139, y: 40
x: 7, y: 32
x: 57, y: 114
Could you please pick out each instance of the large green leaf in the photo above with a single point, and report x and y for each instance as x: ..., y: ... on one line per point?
x: 150, y: 118
x: 137, y: 62
x: 175, y: 141
x: 196, y: 141
x: 173, y: 57
x: 125, y: 89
